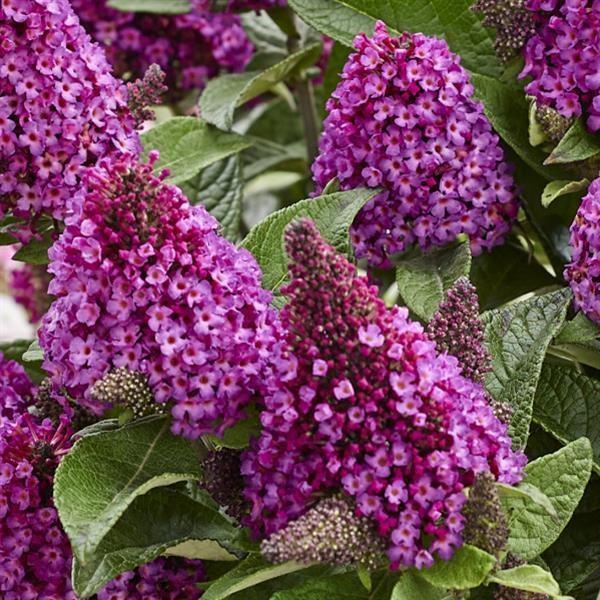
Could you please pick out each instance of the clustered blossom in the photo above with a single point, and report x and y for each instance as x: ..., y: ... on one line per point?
x: 373, y: 411
x: 16, y: 389
x: 60, y: 110
x: 457, y: 329
x: 29, y: 287
x: 329, y: 533
x: 563, y: 57
x: 190, y: 48
x: 166, y: 578
x: 404, y: 119
x: 143, y: 93
x: 144, y: 281
x: 583, y: 272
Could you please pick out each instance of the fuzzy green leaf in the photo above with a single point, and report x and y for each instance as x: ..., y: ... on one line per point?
x: 333, y: 214
x: 413, y: 587
x: 343, y: 19
x: 423, y: 280
x: 334, y: 587
x: 563, y: 476
x: 163, y: 521
x: 530, y: 578
x: 224, y: 94
x: 566, y: 405
x: 35, y: 252
x: 577, y: 144
x: 188, y: 145
x: 104, y: 473
x: 529, y: 493
x: 579, y: 329
x: 467, y: 569
x: 562, y: 187
x: 517, y: 337
x: 161, y: 7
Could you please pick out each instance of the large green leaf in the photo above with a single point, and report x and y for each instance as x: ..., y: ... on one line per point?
x: 248, y: 573
x: 413, y: 587
x: 562, y: 476
x: 343, y: 19
x: 422, y: 280
x: 161, y: 7
x: 530, y: 578
x: 220, y: 188
x: 163, y: 521
x: 333, y: 214
x: 505, y: 274
x: 35, y: 252
x: 556, y: 189
x: 104, y: 473
x: 577, y: 144
x: 517, y: 337
x: 224, y: 94
x: 577, y: 330
x: 188, y: 145
x: 334, y: 587
x: 468, y: 568
x: 567, y: 405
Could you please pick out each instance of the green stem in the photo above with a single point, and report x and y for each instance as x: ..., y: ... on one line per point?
x: 308, y: 113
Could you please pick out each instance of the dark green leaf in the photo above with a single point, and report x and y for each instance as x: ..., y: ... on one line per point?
x: 530, y: 578
x: 333, y: 587
x: 224, y: 94
x: 563, y: 476
x: 161, y: 7
x: 335, y: 65
x: 188, y: 145
x: 104, y: 473
x: 423, y: 280
x: 567, y: 405
x: 17, y: 350
x: 264, y: 34
x: 35, y: 252
x: 163, y: 521
x: 517, y: 337
x: 238, y: 436
x: 579, y: 329
x: 343, y: 19
x: 332, y: 214
x: 555, y: 189
x: 468, y: 568
x: 577, y: 144
x: 413, y: 587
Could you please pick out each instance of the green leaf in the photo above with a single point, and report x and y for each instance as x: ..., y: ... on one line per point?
x: 220, y: 188
x: 566, y: 405
x: 188, y: 145
x: 34, y: 353
x: 266, y: 155
x: 530, y: 578
x: 579, y: 329
x: 16, y: 350
x: 527, y: 492
x: 423, y: 280
x: 537, y: 135
x: 563, y: 476
x: 517, y: 337
x: 238, y: 436
x: 334, y: 587
x: 264, y: 34
x: 555, y: 189
x: 333, y: 214
x: 505, y: 274
x: 224, y: 94
x: 161, y: 7
x: 35, y: 252
x: 413, y: 587
x: 104, y: 473
x: 248, y: 573
x: 343, y: 19
x: 163, y: 521
x: 468, y: 568
x: 577, y: 144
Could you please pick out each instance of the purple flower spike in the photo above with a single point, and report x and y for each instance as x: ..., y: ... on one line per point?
x: 404, y: 119
x: 389, y: 421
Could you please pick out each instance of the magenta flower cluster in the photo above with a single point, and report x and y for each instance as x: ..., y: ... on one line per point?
x: 373, y: 411
x: 60, y: 109
x: 144, y: 281
x: 28, y: 285
x: 189, y: 48
x: 583, y: 272
x: 404, y: 119
x: 563, y: 57
x: 16, y: 389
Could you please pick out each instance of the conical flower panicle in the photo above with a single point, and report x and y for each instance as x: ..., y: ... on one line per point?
x: 28, y: 285
x: 144, y: 282
x: 404, y: 119
x: 145, y: 92
x: 373, y: 411
x: 16, y: 389
x: 330, y: 533
x: 60, y: 110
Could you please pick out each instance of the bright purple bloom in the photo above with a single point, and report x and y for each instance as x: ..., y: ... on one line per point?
x: 60, y: 110
x: 144, y: 281
x: 563, y: 58
x: 16, y: 389
x: 404, y: 119
x: 404, y: 444
x: 189, y: 48
x: 583, y: 272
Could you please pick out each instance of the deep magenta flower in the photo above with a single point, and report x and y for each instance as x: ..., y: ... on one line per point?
x: 374, y: 411
x: 563, y: 57
x: 144, y: 281
x: 404, y: 119
x: 60, y: 109
x: 16, y: 389
x: 28, y: 285
x: 189, y: 48
x: 583, y: 272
